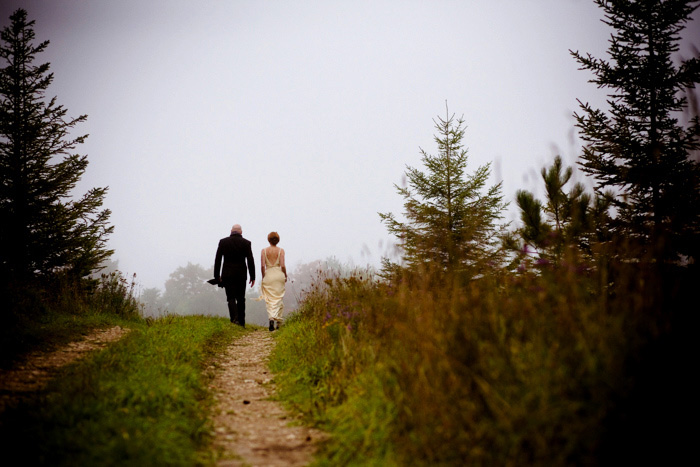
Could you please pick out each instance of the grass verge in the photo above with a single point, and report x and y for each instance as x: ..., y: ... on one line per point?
x: 37, y: 317
x: 141, y: 401
x: 539, y: 367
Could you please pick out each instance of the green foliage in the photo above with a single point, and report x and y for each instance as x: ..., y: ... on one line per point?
x: 306, y: 277
x: 546, y: 366
x: 116, y: 294
x: 450, y: 224
x: 142, y: 401
x: 47, y: 317
x: 42, y: 230
x: 318, y: 369
x: 638, y: 147
x: 534, y: 231
x: 573, y: 219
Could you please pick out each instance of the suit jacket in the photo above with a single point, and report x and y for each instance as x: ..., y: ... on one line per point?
x: 235, y: 250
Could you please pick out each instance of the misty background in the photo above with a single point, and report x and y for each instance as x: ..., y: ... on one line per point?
x: 299, y: 117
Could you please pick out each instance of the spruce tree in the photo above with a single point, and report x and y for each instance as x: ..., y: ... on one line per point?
x: 43, y: 229
x: 638, y: 147
x: 450, y: 225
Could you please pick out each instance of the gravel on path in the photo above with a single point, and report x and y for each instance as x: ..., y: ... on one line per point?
x: 250, y: 429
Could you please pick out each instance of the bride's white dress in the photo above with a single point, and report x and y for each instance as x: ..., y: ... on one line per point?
x: 272, y: 287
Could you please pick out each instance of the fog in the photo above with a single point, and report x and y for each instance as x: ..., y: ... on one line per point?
x: 299, y: 117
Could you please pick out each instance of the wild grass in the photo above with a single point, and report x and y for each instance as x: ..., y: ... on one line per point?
x: 141, y: 401
x: 37, y: 316
x: 550, y: 365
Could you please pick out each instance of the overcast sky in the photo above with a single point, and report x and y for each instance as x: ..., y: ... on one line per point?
x: 300, y: 116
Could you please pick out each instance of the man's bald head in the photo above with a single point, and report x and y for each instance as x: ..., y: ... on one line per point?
x: 236, y: 229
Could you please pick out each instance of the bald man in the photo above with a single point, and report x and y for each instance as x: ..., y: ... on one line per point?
x: 236, y: 252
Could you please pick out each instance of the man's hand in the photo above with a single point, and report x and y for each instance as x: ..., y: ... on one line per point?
x: 252, y: 283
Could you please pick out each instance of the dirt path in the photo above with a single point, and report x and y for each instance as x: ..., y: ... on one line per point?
x: 250, y: 429
x: 39, y: 367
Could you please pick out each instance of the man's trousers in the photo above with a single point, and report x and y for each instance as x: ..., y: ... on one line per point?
x: 235, y: 296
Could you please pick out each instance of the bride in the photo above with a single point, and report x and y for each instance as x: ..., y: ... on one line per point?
x: 274, y: 275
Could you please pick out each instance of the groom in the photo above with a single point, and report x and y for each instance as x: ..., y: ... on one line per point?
x: 236, y: 252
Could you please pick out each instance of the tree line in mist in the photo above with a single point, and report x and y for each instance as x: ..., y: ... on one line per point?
x: 187, y: 292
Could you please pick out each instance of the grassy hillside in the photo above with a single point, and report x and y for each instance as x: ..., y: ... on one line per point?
x: 142, y: 401
x: 539, y: 366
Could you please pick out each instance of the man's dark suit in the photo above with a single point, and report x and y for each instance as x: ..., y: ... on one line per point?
x: 235, y: 250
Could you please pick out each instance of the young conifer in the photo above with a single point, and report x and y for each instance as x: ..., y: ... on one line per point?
x: 450, y: 224
x: 571, y: 218
x: 43, y: 230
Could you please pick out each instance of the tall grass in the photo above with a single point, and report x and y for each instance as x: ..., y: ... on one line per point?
x: 47, y: 315
x: 142, y: 401
x: 545, y: 366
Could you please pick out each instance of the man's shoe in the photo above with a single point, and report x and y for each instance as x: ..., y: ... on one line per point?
x: 272, y: 325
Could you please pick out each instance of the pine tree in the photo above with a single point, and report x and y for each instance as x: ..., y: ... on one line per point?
x: 450, y: 224
x: 43, y: 230
x: 572, y: 218
x: 638, y: 147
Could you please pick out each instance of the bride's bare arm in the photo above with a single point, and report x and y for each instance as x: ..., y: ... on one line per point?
x: 262, y: 263
x: 282, y: 264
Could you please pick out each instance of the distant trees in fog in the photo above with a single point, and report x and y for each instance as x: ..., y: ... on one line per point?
x: 188, y: 293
